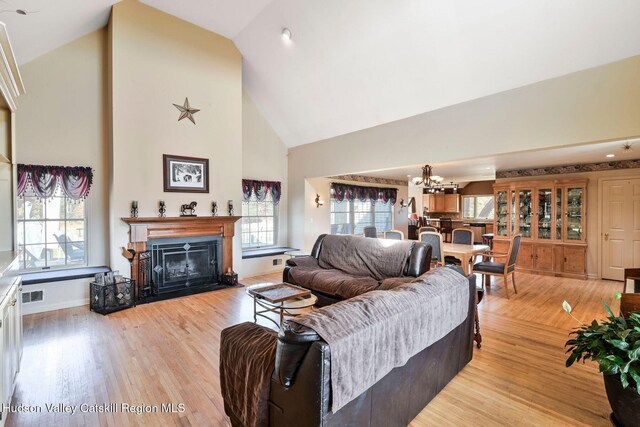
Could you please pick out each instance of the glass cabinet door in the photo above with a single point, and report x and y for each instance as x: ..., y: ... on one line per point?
x: 574, y: 224
x: 545, y: 209
x: 525, y: 212
x: 513, y: 212
x: 559, y: 213
x: 502, y: 214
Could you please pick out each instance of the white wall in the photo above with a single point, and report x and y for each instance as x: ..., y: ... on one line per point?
x: 598, y: 104
x: 62, y: 120
x: 264, y: 157
x: 58, y: 295
x: 318, y: 219
x: 158, y: 60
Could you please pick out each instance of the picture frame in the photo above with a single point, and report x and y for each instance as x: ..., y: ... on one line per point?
x: 185, y: 174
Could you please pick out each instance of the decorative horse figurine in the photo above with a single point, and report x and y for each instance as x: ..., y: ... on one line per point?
x: 191, y: 207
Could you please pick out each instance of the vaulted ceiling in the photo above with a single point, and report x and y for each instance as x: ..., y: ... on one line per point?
x: 356, y: 64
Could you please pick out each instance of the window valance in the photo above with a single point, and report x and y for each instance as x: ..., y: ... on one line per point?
x: 44, y: 180
x: 352, y: 192
x: 260, y: 189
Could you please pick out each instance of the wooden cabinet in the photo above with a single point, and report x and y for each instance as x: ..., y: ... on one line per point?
x: 441, y: 203
x: 452, y: 203
x: 571, y: 260
x: 550, y: 217
x: 525, y: 256
x: 10, y: 341
x: 543, y: 257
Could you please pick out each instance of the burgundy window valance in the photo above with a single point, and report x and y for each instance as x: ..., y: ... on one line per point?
x: 260, y: 189
x: 352, y: 192
x: 44, y: 180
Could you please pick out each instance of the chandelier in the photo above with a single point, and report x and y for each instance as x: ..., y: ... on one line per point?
x: 433, y: 183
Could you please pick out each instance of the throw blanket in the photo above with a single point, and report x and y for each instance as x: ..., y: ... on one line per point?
x: 373, y: 333
x: 247, y: 360
x: 359, y: 256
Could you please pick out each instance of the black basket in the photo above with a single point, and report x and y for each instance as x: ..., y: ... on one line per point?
x: 107, y: 298
x: 230, y: 279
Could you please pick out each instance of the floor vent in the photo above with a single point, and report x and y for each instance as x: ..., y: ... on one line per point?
x: 33, y: 296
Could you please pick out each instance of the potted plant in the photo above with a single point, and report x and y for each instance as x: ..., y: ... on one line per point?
x: 615, y: 344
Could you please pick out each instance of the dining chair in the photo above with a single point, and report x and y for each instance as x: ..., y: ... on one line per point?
x: 629, y: 303
x: 460, y: 236
x: 394, y: 235
x: 370, y: 231
x: 435, y: 240
x: 446, y: 227
x: 504, y: 269
x: 427, y: 228
x: 632, y: 274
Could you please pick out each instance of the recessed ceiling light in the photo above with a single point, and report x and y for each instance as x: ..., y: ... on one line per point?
x: 611, y: 155
x: 286, y: 34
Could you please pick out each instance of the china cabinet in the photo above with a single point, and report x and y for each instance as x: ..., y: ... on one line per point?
x: 550, y: 217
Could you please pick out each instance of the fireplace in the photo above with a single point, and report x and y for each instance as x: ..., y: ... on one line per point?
x: 178, y: 256
x: 180, y: 264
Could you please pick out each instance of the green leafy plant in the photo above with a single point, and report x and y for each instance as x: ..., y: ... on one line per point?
x: 614, y: 344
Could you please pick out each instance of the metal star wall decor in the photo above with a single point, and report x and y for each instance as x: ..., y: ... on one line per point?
x: 186, y: 111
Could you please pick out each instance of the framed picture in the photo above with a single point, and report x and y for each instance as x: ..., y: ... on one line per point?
x: 185, y: 174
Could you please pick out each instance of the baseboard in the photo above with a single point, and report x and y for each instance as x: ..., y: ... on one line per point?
x: 35, y: 307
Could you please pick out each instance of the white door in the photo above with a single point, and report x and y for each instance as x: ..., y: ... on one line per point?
x: 620, y: 227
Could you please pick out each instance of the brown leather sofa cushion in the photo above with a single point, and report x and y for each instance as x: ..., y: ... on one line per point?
x: 394, y: 282
x: 333, y: 282
x: 359, y: 256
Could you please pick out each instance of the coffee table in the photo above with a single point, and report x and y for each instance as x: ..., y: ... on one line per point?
x: 283, y: 299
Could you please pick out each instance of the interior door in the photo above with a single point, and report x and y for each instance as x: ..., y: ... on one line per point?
x: 620, y: 227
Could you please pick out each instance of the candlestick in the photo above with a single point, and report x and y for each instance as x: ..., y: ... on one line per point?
x: 214, y: 209
x: 162, y: 210
x: 230, y: 207
x: 134, y: 209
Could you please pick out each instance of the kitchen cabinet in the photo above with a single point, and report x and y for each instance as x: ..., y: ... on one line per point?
x: 10, y: 337
x: 441, y: 203
x: 452, y: 203
x: 550, y: 217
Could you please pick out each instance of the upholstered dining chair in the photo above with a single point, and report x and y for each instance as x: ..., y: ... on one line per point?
x: 370, y: 231
x: 504, y: 269
x: 435, y: 240
x: 394, y: 235
x: 423, y: 229
x: 461, y: 236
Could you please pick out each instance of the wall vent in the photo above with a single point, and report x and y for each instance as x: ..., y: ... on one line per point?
x: 277, y: 261
x: 32, y: 296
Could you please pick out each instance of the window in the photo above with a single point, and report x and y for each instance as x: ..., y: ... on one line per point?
x: 51, y: 232
x: 478, y: 207
x: 350, y: 217
x: 259, y: 222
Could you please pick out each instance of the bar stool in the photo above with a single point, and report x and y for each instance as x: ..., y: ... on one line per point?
x: 446, y: 228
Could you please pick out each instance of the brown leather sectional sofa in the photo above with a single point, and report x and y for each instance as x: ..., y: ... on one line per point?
x: 341, y: 267
x: 300, y: 385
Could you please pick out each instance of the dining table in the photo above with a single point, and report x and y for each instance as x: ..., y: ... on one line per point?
x: 464, y: 253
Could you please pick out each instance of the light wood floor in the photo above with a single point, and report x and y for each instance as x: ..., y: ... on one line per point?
x: 167, y: 352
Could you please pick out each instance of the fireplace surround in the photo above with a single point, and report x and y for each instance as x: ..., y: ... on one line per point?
x: 187, y: 254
